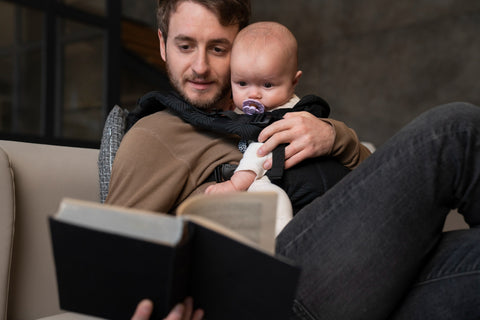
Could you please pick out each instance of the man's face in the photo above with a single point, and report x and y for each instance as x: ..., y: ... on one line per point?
x: 197, y: 55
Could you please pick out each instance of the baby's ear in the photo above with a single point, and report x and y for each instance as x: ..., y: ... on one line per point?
x: 297, y: 77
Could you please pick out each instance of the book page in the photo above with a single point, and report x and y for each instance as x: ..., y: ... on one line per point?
x: 138, y: 224
x: 250, y: 214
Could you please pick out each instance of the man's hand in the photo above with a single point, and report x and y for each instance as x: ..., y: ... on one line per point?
x: 307, y: 137
x: 143, y: 311
x: 182, y: 311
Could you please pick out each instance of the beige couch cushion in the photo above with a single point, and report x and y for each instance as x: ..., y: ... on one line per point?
x: 43, y: 175
x: 7, y: 221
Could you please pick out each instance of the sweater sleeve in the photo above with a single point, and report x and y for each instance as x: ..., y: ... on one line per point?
x: 145, y: 174
x: 347, y: 147
x: 162, y: 161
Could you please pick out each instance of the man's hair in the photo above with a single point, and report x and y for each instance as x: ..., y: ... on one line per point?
x: 229, y: 12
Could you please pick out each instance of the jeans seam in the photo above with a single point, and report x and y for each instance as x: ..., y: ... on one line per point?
x: 302, y: 312
x: 463, y: 274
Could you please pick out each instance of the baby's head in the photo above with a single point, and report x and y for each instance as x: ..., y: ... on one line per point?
x: 264, y: 65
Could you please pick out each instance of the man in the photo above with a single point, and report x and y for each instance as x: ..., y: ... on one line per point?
x: 176, y: 158
x: 371, y: 247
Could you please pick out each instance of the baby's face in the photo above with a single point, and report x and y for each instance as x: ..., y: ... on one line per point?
x: 261, y: 76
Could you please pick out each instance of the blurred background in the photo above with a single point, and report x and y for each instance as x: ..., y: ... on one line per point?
x: 65, y: 63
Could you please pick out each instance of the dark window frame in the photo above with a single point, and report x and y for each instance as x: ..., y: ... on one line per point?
x: 111, y: 24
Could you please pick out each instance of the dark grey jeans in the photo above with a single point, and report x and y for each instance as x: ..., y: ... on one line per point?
x: 372, y: 247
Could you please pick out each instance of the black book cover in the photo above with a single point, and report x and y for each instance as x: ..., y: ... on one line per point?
x: 106, y: 275
x: 229, y: 278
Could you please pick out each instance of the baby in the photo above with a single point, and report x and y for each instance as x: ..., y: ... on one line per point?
x: 264, y: 76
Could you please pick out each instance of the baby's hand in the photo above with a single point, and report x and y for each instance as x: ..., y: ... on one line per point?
x: 222, y: 187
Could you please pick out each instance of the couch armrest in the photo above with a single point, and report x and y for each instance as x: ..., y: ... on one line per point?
x: 43, y: 175
x: 7, y: 220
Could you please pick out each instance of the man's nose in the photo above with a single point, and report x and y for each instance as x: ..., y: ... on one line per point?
x: 200, y: 64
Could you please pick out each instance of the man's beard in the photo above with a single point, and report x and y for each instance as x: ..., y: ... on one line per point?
x: 210, y: 104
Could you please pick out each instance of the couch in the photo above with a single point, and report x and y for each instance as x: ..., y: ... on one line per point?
x: 33, y: 180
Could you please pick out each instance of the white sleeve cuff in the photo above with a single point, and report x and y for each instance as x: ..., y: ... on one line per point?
x: 251, y: 161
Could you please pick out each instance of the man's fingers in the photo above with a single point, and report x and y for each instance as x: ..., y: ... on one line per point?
x: 273, y: 142
x: 292, y: 158
x: 198, y: 315
x: 188, y: 303
x: 273, y: 129
x: 295, y: 159
x: 177, y: 312
x: 144, y: 310
x: 267, y: 164
x: 306, y: 136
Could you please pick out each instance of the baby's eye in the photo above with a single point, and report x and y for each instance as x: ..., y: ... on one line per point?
x: 268, y: 85
x: 242, y: 83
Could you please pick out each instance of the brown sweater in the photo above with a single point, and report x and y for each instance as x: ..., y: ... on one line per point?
x: 163, y: 160
x: 347, y: 148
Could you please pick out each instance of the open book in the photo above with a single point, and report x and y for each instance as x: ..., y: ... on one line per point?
x: 218, y: 249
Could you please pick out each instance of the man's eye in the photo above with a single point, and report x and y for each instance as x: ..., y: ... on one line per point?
x: 268, y: 85
x: 219, y: 50
x: 184, y: 47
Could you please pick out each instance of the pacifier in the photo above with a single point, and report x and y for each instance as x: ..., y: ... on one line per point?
x: 252, y: 106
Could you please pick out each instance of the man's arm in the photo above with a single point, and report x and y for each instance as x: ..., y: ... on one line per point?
x: 347, y: 147
x: 146, y: 175
x: 162, y: 160
x: 308, y: 137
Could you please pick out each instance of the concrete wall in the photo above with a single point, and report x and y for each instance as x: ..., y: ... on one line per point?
x: 379, y: 63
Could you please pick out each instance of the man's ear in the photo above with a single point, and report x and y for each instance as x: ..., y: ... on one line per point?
x: 297, y: 77
x: 162, y: 45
